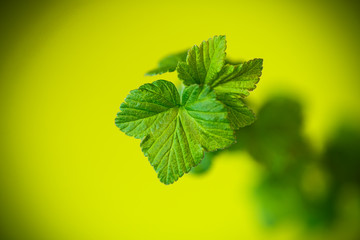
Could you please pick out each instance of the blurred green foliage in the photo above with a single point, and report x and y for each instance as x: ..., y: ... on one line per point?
x: 297, y: 184
x: 342, y: 156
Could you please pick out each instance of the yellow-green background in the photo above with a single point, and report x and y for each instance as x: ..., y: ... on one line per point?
x: 65, y: 67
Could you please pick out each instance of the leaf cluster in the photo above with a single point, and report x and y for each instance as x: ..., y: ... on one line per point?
x: 177, y: 128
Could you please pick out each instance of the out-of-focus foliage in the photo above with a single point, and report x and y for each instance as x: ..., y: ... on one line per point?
x: 205, y: 163
x: 297, y: 184
x: 342, y: 156
x: 168, y: 63
x: 274, y: 139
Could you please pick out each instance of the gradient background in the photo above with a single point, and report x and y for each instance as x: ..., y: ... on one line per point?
x: 65, y: 66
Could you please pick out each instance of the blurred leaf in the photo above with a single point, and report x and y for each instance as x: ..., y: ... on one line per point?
x: 275, y: 139
x: 233, y: 62
x: 205, y: 164
x: 168, y: 64
x: 280, y: 200
x: 342, y: 155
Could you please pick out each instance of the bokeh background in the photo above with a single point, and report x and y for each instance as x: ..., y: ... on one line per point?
x: 68, y: 173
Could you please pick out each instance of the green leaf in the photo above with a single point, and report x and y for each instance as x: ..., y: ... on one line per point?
x: 175, y: 132
x: 203, y: 63
x: 239, y: 79
x: 145, y: 107
x: 168, y: 64
x: 239, y: 114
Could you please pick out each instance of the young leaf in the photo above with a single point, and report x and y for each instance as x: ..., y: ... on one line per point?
x: 234, y: 83
x: 205, y: 66
x: 239, y: 114
x: 203, y: 63
x: 175, y: 132
x: 239, y: 79
x: 145, y: 107
x: 168, y: 64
